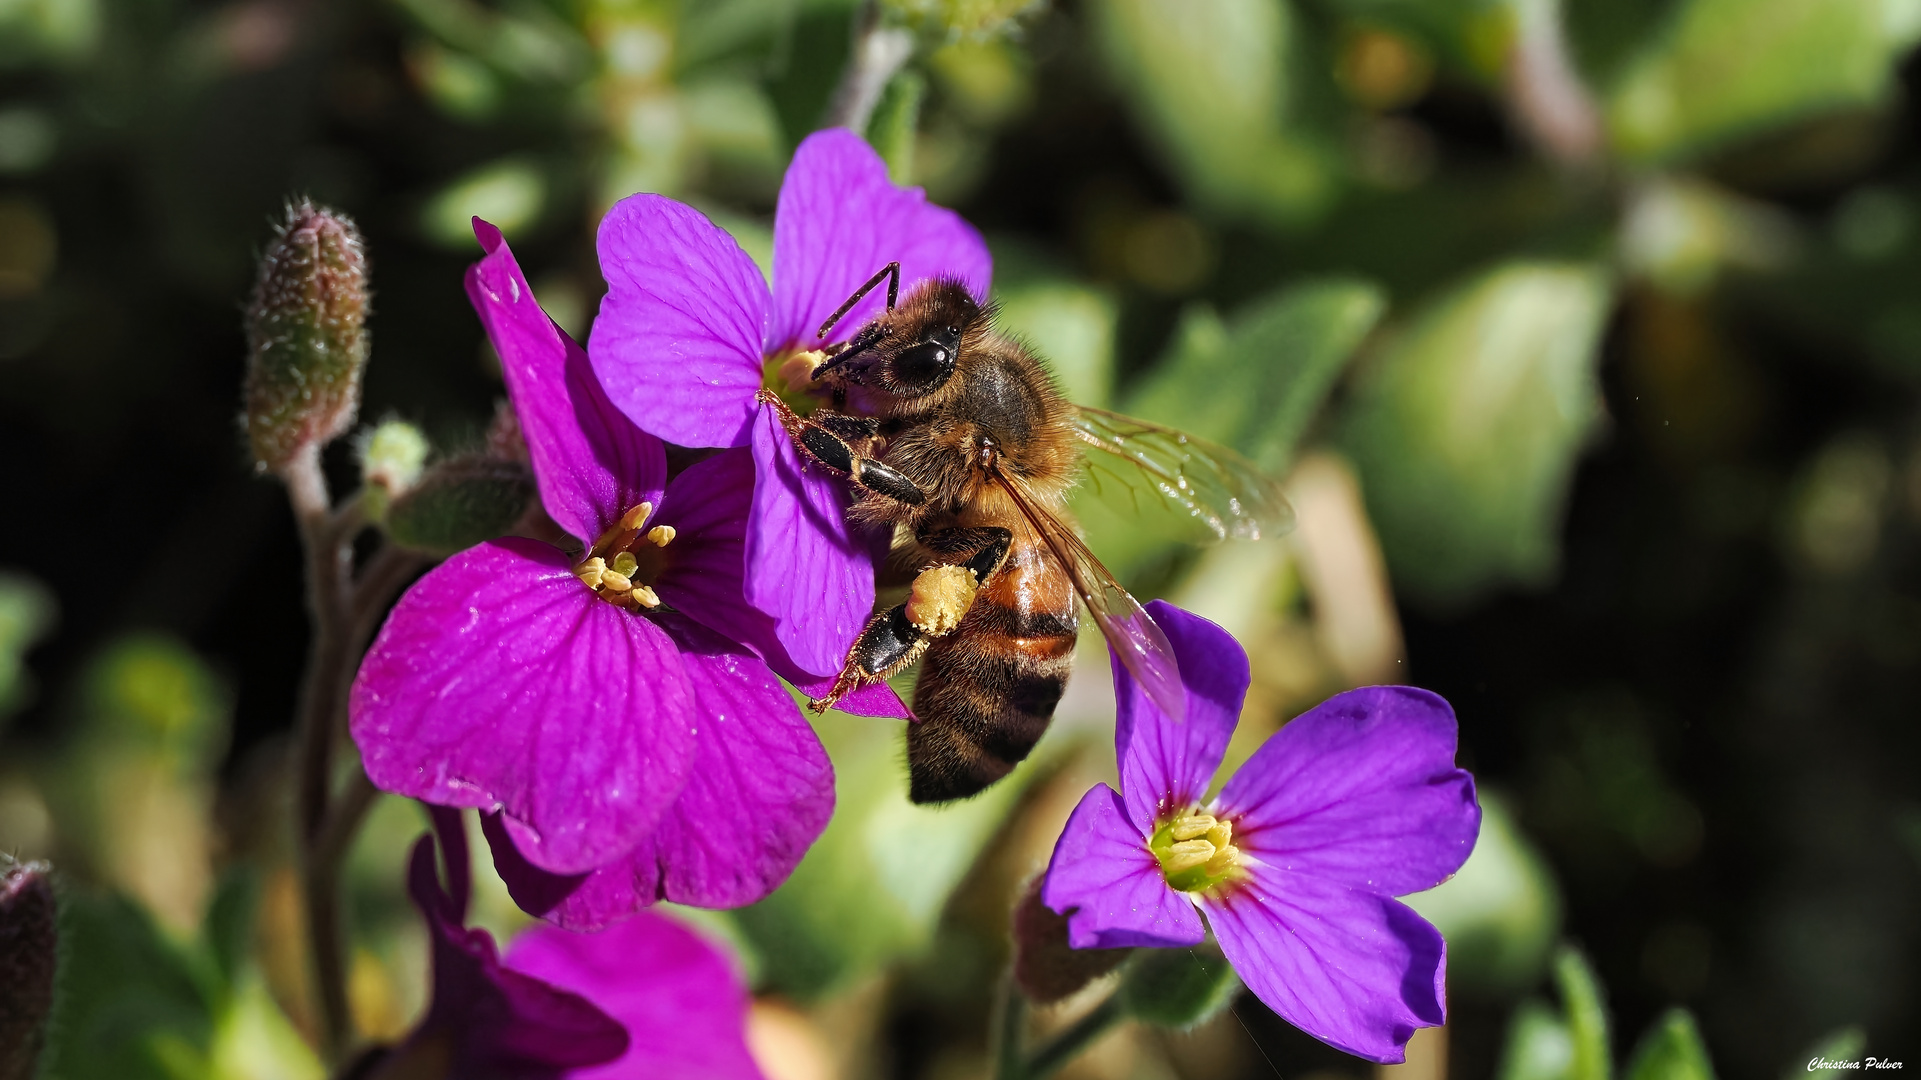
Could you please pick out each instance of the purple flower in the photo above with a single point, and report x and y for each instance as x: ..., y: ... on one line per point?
x: 681, y: 1000
x: 689, y: 328
x: 486, y: 1021
x: 1298, y: 859
x: 608, y: 710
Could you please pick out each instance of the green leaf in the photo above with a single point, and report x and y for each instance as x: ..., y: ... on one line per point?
x: 130, y: 1004
x: 1671, y: 1050
x: 1207, y: 80
x: 1256, y: 385
x: 1177, y: 988
x: 27, y: 611
x: 1587, y: 1018
x: 1539, y: 1046
x: 895, y: 123
x: 228, y: 929
x: 871, y: 891
x: 1838, y: 1046
x: 1467, y: 429
x: 1501, y: 913
x: 1725, y: 69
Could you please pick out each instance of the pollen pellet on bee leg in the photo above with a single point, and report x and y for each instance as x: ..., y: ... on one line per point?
x: 1190, y: 827
x: 940, y: 599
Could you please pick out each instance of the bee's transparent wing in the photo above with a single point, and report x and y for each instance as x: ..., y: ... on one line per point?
x: 1211, y: 492
x: 1134, y: 635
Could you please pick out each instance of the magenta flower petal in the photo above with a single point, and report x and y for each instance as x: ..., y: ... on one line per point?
x: 839, y: 220
x: 758, y: 795
x: 501, y: 682
x: 681, y: 332
x: 806, y: 565
x: 1361, y: 789
x: 1166, y: 766
x: 1354, y: 969
x: 590, y: 462
x: 876, y: 699
x: 1103, y: 878
x: 488, y: 1021
x: 679, y: 997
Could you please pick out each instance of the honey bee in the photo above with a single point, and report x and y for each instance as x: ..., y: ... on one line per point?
x: 955, y: 435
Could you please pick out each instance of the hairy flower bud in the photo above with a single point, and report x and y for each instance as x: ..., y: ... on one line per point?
x: 1046, y: 968
x: 27, y: 937
x: 461, y: 502
x: 306, y: 336
x: 1178, y: 988
x: 392, y: 457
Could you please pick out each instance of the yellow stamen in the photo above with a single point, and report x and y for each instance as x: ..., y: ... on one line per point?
x: 614, y: 581
x: 1188, y: 828
x: 1185, y: 855
x: 661, y: 535
x: 590, y: 571
x: 646, y: 596
x: 797, y: 371
x: 621, y: 532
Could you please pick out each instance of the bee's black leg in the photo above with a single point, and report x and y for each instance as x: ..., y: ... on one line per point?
x: 823, y: 441
x: 978, y: 549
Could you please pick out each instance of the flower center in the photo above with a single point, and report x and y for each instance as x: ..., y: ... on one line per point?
x: 790, y: 373
x: 1196, y: 851
x: 625, y: 560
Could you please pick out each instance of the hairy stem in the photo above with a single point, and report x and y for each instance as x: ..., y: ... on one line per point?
x: 1069, y: 1044
x: 327, y: 537
x: 878, y: 52
x: 1010, y: 1028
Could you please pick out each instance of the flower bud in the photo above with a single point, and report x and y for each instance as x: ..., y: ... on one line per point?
x: 306, y: 336
x: 391, y: 459
x: 27, y: 940
x: 1178, y: 988
x: 459, y: 503
x: 1046, y: 968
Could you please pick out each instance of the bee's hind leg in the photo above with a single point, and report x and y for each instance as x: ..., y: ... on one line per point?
x: 889, y: 645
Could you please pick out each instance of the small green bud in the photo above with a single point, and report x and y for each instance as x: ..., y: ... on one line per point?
x: 1178, y: 988
x: 1046, y: 968
x: 461, y: 502
x: 28, y: 935
x: 306, y: 336
x: 392, y: 457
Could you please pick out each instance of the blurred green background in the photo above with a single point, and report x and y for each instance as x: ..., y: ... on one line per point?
x: 1587, y: 333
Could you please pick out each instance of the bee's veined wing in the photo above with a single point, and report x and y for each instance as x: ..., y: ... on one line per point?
x: 1134, y: 635
x: 1218, y: 493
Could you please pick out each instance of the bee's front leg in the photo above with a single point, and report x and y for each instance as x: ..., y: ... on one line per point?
x: 825, y: 438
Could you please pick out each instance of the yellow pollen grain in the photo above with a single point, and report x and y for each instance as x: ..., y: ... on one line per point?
x: 615, y: 581
x: 661, y: 535
x: 940, y: 598
x: 1190, y: 827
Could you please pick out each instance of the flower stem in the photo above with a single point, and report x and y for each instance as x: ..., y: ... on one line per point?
x: 1069, y: 1044
x: 877, y: 53
x: 327, y: 536
x: 1010, y: 1024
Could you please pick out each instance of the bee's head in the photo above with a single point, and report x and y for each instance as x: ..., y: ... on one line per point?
x: 911, y: 351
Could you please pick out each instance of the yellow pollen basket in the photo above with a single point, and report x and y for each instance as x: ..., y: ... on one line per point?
x: 611, y: 568
x: 940, y: 599
x: 1196, y: 851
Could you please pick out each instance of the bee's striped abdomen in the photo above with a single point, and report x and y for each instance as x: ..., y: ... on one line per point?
x: 988, y: 690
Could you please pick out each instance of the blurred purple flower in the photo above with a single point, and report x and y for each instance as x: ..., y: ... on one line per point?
x: 689, y: 328
x: 681, y: 1000
x: 485, y: 1021
x: 1298, y: 859
x: 625, y: 737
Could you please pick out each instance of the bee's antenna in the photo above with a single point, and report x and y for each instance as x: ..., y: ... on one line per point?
x: 890, y: 271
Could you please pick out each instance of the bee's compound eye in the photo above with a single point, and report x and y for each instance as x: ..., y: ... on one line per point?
x: 923, y: 368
